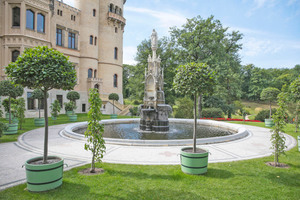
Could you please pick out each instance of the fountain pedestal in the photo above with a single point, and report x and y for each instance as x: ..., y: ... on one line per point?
x: 154, y: 112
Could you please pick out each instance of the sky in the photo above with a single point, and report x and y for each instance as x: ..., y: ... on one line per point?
x: 270, y: 28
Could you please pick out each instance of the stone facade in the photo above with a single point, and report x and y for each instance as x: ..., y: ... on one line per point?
x: 90, y: 34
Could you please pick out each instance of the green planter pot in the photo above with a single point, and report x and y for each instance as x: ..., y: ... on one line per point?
x: 69, y: 113
x: 269, y: 122
x: 298, y: 143
x: 15, y: 120
x: 72, y: 118
x: 114, y: 116
x: 193, y: 163
x: 44, y: 177
x: 12, y: 129
x: 7, y: 116
x: 39, y: 121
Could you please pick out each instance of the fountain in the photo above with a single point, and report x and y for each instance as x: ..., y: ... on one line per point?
x: 154, y: 112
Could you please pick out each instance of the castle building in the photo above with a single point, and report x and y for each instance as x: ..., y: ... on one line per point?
x: 90, y: 34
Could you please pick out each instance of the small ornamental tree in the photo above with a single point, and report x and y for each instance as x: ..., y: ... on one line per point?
x: 45, y: 69
x: 114, y: 97
x: 39, y: 95
x: 295, y: 97
x: 20, y: 111
x: 193, y: 79
x: 95, y: 129
x: 11, y: 90
x: 277, y: 138
x: 269, y: 94
x: 73, y: 96
x: 55, y: 108
x: 3, y: 127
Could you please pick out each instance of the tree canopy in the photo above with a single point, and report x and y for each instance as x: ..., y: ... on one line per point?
x: 73, y: 96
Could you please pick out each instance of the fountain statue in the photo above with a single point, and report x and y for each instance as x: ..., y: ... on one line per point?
x: 154, y: 112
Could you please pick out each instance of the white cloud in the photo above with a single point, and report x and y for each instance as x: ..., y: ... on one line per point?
x: 260, y: 4
x: 164, y: 18
x: 255, y: 47
x: 129, y: 53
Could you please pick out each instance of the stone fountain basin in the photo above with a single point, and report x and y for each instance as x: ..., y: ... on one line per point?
x: 238, y: 130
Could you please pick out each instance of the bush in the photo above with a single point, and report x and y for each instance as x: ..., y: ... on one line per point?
x: 5, y: 103
x: 184, y: 108
x: 136, y: 102
x: 70, y: 106
x: 212, y: 112
x: 264, y: 114
x: 3, y: 127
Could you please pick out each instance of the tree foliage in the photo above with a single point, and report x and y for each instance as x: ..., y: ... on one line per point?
x: 295, y: 97
x: 184, y: 108
x: 20, y: 109
x: 43, y: 68
x: 193, y: 79
x: 269, y: 94
x: 55, y: 108
x: 95, y: 129
x: 73, y: 96
x: 114, y: 97
x: 39, y: 95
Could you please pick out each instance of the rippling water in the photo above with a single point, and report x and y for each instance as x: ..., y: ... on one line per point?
x: 177, y: 131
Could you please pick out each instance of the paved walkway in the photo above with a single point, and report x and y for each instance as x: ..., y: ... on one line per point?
x: 30, y: 144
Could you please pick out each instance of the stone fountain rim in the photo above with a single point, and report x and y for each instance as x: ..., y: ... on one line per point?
x: 240, y: 132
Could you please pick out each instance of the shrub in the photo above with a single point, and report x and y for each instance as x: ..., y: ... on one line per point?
x: 73, y: 96
x: 134, y: 111
x: 136, y: 102
x: 3, y: 127
x: 184, y: 108
x: 55, y: 108
x: 264, y: 114
x: 212, y: 112
x: 5, y: 104
x: 70, y: 106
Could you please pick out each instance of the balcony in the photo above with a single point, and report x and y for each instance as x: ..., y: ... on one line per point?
x: 116, y: 18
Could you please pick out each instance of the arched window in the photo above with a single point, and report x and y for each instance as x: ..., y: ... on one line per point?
x: 30, y: 19
x: 116, y: 29
x: 95, y: 73
x: 71, y: 17
x: 90, y: 73
x: 60, y: 12
x: 41, y: 23
x: 117, y: 10
x: 94, y: 12
x: 16, y: 16
x: 91, y: 39
x: 95, y: 40
x: 97, y: 87
x: 116, y: 53
x: 74, y: 17
x: 14, y: 55
x: 120, y: 12
x: 115, y: 80
x: 111, y: 7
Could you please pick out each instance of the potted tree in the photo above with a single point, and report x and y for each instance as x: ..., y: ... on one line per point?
x: 43, y: 68
x: 192, y: 79
x: 73, y: 96
x: 114, y: 97
x: 269, y: 94
x: 55, y: 109
x: 19, y: 111
x: 70, y: 107
x: 5, y: 104
x: 39, y: 95
x: 94, y: 133
x: 12, y: 91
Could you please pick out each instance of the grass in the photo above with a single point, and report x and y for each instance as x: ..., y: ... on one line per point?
x: 29, y: 125
x: 250, y: 179
x: 255, y: 107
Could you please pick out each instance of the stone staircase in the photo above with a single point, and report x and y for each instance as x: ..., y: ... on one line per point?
x: 124, y: 108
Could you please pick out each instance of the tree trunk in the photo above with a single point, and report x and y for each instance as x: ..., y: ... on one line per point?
x: 200, y: 106
x: 9, y: 108
x: 93, y: 162
x: 276, y: 156
x: 113, y: 106
x: 46, y: 128
x: 195, y: 123
x: 270, y: 110
x: 39, y: 105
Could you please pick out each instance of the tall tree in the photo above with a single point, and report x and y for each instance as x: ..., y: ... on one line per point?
x: 295, y: 97
x: 206, y: 40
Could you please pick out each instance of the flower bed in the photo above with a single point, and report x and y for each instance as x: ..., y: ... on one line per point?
x: 229, y: 119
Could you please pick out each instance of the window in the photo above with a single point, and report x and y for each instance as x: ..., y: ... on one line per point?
x: 91, y: 39
x: 90, y: 73
x: 41, y: 103
x: 41, y: 23
x: 116, y: 53
x: 14, y: 55
x: 57, y: 12
x: 96, y: 87
x: 74, y: 18
x: 83, y: 107
x: 95, y: 73
x: 60, y: 100
x: 30, y: 19
x: 117, y: 10
x: 115, y: 80
x: 95, y: 40
x: 72, y: 41
x: 58, y: 36
x: 60, y: 12
x: 16, y: 16
x: 116, y: 29
x: 30, y: 101
x: 120, y: 12
x: 94, y: 12
x: 71, y: 17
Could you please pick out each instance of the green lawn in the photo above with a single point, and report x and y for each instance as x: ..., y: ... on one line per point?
x: 29, y: 125
x: 250, y: 179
